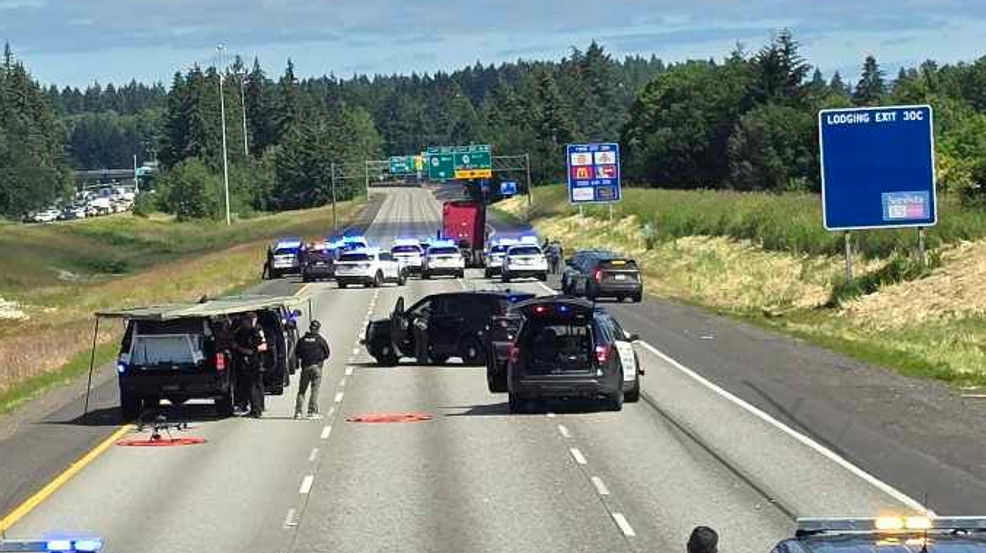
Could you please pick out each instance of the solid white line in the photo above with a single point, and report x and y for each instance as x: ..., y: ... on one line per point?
x: 625, y: 527
x: 313, y: 454
x: 306, y: 484
x: 325, y: 432
x: 577, y: 455
x: 339, y: 396
x: 349, y: 371
x: 564, y: 431
x: 805, y: 440
x: 548, y: 288
x: 600, y: 486
x: 289, y: 519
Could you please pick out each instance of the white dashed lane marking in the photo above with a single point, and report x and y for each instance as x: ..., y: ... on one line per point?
x: 339, y: 396
x: 577, y: 455
x: 289, y: 520
x: 306, y: 484
x: 349, y: 371
x: 624, y: 525
x: 326, y: 430
x: 342, y: 382
x: 564, y: 431
x: 313, y: 455
x: 600, y: 486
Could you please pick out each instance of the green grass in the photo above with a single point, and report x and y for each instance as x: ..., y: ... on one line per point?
x: 77, y: 366
x: 96, y: 249
x: 790, y: 222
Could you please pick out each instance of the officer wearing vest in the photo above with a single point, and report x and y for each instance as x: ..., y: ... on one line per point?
x: 312, y: 350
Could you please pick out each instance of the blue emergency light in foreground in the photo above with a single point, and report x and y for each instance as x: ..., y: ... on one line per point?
x: 60, y: 545
x: 877, y: 167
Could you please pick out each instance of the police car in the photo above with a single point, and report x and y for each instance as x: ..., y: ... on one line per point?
x: 494, y: 255
x: 284, y: 257
x: 370, y: 267
x: 443, y: 258
x: 356, y: 242
x: 909, y: 534
x: 47, y: 545
x: 524, y: 259
x: 568, y: 348
x: 409, y: 252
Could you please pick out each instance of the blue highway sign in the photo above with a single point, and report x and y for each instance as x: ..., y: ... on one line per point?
x: 508, y: 188
x: 878, y: 167
x: 593, y: 173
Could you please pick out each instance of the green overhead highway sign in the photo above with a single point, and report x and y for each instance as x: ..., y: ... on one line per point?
x: 402, y: 165
x: 461, y: 162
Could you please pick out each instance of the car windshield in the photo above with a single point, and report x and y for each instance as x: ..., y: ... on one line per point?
x: 525, y: 250
x: 354, y: 257
x: 406, y: 249
x: 286, y: 251
x: 166, y: 348
x: 498, y: 249
x: 443, y: 251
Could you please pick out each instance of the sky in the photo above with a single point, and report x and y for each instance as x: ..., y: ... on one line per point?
x: 77, y: 42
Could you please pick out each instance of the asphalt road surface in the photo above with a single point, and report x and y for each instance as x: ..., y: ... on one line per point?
x: 474, y: 478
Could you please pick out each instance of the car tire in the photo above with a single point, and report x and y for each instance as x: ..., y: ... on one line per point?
x: 497, y: 382
x: 305, y: 278
x: 401, y: 278
x: 387, y: 357
x: 461, y: 274
x: 487, y: 273
x: 515, y: 403
x: 504, y: 277
x: 377, y: 280
x: 437, y: 359
x: 129, y: 406
x: 425, y: 275
x: 543, y: 277
x: 615, y: 401
x: 342, y: 284
x: 224, y: 405
x: 633, y: 395
x: 636, y: 298
x: 151, y: 402
x: 472, y: 352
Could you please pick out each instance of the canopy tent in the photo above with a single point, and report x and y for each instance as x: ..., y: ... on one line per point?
x: 227, y: 305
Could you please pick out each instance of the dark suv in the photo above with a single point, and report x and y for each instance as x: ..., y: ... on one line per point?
x: 603, y: 274
x: 454, y: 325
x: 568, y: 348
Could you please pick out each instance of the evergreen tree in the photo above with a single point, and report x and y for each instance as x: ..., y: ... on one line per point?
x: 287, y: 110
x: 870, y: 88
x: 780, y: 71
x: 261, y: 124
x: 838, y: 86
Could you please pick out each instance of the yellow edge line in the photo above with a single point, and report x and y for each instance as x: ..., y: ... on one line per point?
x: 302, y: 290
x: 24, y: 508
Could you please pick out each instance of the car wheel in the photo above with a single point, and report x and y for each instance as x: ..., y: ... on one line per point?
x: 425, y: 275
x: 401, y: 278
x: 487, y: 274
x: 387, y: 357
x: 504, y: 277
x: 129, y: 406
x: 224, y: 405
x: 543, y: 277
x: 461, y: 274
x: 633, y: 395
x: 615, y: 401
x: 151, y: 402
x: 437, y: 359
x: 305, y: 278
x: 377, y: 279
x: 342, y: 284
x: 471, y: 351
x: 637, y: 297
x: 496, y: 381
x: 515, y: 403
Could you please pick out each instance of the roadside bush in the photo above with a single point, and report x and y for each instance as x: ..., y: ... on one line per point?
x: 145, y: 204
x: 899, y: 268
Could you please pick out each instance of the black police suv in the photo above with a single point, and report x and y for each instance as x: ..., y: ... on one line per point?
x: 569, y: 269
x: 598, y: 274
x: 568, y: 348
x: 183, y: 351
x: 452, y: 324
x: 909, y: 534
x: 318, y: 263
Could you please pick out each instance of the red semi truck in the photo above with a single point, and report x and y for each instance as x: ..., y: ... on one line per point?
x: 464, y: 222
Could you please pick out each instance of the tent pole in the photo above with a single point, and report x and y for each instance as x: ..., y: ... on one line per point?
x: 92, y: 362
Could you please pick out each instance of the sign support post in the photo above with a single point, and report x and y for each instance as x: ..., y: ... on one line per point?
x: 610, y: 212
x: 335, y: 225
x: 530, y: 199
x: 922, y: 254
x: 366, y: 175
x: 848, y: 239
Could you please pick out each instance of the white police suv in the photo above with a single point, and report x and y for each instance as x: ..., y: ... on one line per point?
x: 524, y: 259
x: 443, y: 258
x: 369, y: 267
x: 494, y: 255
x: 409, y: 252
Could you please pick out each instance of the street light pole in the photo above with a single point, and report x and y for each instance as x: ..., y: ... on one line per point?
x: 530, y: 201
x: 246, y: 147
x: 222, y: 116
x: 335, y: 225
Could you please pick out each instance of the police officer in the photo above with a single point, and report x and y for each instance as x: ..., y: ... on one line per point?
x: 312, y: 350
x: 703, y: 540
x: 249, y: 344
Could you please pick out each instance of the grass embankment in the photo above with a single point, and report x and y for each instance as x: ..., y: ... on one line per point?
x: 56, y: 276
x: 766, y: 258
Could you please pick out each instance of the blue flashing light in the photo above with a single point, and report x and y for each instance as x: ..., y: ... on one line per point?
x: 529, y: 239
x: 58, y: 545
x: 287, y: 243
x: 88, y: 545
x: 564, y: 308
x: 121, y: 367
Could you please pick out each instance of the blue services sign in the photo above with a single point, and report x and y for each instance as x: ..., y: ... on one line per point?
x: 878, y: 167
x: 593, y: 173
x: 508, y: 188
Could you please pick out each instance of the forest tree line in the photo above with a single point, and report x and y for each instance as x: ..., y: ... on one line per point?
x: 746, y: 122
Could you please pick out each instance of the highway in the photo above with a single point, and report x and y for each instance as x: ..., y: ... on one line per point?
x: 474, y: 478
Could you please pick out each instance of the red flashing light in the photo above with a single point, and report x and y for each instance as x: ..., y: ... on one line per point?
x: 602, y: 353
x: 599, y: 275
x: 220, y: 362
x: 540, y: 309
x: 513, y: 353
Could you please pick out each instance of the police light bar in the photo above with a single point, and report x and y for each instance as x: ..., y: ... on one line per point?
x: 288, y: 243
x: 504, y: 241
x: 905, y: 524
x: 80, y: 545
x: 407, y: 242
x: 352, y: 239
x: 440, y: 243
x: 528, y: 239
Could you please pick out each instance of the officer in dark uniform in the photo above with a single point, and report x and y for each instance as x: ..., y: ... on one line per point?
x: 312, y: 351
x: 249, y: 344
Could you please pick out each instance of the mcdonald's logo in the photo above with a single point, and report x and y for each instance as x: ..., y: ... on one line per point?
x: 582, y: 172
